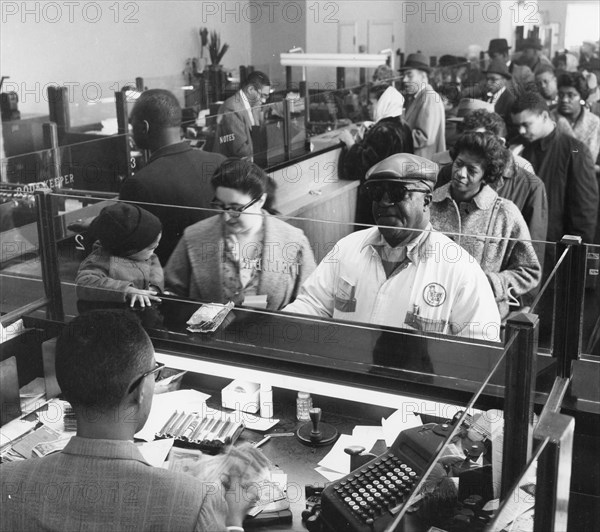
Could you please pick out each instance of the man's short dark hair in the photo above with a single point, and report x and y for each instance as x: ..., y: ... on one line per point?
x: 159, y: 108
x: 529, y: 101
x: 257, y: 79
x: 491, y: 122
x: 486, y: 146
x: 98, y: 355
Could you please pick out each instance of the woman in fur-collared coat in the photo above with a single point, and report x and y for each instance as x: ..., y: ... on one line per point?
x: 490, y: 228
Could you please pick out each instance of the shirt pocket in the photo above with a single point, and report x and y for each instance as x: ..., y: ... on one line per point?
x: 344, y: 300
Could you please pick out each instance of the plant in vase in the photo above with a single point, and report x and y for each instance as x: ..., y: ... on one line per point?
x: 203, y: 32
x: 215, y: 50
x: 218, y: 78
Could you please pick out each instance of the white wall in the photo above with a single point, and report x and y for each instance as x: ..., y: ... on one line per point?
x: 438, y: 28
x: 553, y: 11
x: 275, y: 32
x: 322, y: 29
x: 145, y: 38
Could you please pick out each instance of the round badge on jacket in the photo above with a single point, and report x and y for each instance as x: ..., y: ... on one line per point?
x: 434, y: 294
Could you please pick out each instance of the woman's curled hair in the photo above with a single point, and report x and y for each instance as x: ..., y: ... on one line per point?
x: 248, y: 178
x: 486, y: 146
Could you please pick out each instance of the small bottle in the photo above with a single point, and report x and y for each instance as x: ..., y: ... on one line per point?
x: 303, y: 405
x: 266, y: 401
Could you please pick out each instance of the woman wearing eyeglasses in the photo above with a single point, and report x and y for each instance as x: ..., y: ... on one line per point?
x: 490, y: 228
x: 243, y: 251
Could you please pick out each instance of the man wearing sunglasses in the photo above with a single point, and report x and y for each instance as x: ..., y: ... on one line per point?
x: 239, y: 117
x: 402, y: 273
x: 106, y: 369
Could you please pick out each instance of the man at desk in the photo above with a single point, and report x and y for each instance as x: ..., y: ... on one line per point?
x: 239, y: 116
x: 402, y: 273
x: 106, y: 369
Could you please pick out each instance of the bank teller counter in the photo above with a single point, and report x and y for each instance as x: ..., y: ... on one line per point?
x: 387, y: 367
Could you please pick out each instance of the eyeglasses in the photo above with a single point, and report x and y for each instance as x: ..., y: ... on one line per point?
x: 396, y: 192
x: 233, y: 211
x: 264, y: 96
x: 156, y: 371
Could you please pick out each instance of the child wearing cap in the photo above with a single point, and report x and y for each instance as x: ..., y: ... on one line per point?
x: 122, y: 265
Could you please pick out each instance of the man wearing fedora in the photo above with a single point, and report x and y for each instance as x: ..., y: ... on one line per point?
x: 531, y: 50
x: 425, y: 113
x: 499, y: 91
x: 499, y: 49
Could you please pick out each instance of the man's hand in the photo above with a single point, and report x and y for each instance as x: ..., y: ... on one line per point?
x: 144, y: 297
x: 242, y: 472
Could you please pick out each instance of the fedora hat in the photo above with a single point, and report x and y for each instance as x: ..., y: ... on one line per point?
x: 498, y: 46
x: 530, y: 42
x: 468, y: 105
x: 418, y: 61
x: 498, y: 66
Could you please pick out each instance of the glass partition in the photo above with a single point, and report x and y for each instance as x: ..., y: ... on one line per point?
x: 591, y: 314
x: 85, y: 162
x: 404, y: 351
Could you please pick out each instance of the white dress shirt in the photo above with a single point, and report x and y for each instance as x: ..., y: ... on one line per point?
x: 438, y: 288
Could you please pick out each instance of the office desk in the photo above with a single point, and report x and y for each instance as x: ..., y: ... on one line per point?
x: 396, y: 369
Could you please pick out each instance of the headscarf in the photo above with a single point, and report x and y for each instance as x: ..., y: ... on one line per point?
x: 390, y: 104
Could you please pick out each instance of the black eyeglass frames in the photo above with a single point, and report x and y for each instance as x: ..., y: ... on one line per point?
x: 233, y: 211
x: 156, y: 371
x: 396, y: 192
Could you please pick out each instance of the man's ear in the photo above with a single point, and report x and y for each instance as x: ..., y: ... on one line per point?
x: 145, y: 127
x: 427, y: 199
x: 137, y: 395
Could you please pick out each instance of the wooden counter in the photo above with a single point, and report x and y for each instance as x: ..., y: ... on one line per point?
x: 309, y: 189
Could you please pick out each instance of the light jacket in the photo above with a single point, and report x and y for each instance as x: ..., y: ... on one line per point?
x: 104, y: 277
x: 426, y: 117
x: 195, y: 267
x: 493, y: 231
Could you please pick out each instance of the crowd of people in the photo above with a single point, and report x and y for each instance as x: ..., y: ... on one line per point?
x: 453, y: 247
x: 520, y: 171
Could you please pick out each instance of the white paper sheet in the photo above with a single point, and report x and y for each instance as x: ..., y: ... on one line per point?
x: 368, y: 432
x: 257, y: 423
x: 155, y: 452
x: 163, y: 406
x: 397, y: 422
x: 14, y: 429
x: 330, y: 475
x: 337, y: 459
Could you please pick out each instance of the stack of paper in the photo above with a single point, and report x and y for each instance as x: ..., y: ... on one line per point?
x: 337, y: 463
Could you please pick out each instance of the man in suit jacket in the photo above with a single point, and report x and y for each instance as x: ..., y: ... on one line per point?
x: 175, y: 183
x: 239, y: 114
x: 521, y: 74
x: 498, y: 92
x: 425, y: 113
x: 106, y: 369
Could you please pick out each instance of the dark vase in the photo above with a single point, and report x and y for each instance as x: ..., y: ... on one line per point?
x: 216, y: 80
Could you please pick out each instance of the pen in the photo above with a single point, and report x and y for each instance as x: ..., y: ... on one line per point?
x: 262, y: 442
x: 167, y: 425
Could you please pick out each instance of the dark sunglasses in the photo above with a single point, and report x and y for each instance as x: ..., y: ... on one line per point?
x: 233, y: 211
x: 156, y: 371
x: 395, y: 192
